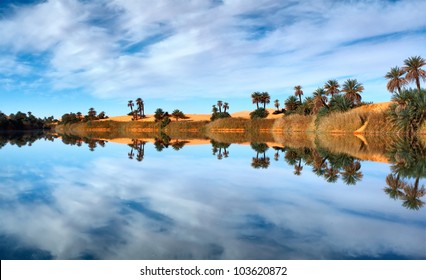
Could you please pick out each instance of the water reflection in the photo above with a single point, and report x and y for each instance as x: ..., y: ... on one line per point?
x: 21, y: 139
x: 262, y: 161
x: 78, y: 141
x: 220, y: 149
x: 139, y: 147
x: 70, y: 203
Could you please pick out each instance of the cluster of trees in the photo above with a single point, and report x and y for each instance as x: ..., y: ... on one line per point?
x: 24, y: 121
x: 92, y: 115
x: 164, y: 117
x: 262, y: 98
x: 331, y: 97
x: 217, y: 112
x: 139, y: 111
x: 409, y: 111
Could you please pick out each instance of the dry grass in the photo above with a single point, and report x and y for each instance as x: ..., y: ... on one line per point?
x: 357, y: 120
x: 240, y: 125
x: 186, y: 130
x: 346, y: 122
x: 295, y: 123
x: 422, y: 130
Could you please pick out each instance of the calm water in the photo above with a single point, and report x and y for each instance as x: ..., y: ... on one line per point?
x: 144, y: 201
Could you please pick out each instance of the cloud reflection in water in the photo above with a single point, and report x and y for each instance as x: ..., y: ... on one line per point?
x: 183, y: 205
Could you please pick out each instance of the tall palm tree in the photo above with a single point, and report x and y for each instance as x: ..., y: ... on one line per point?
x: 265, y: 98
x: 277, y: 104
x: 413, y: 70
x: 225, y: 107
x: 353, y: 90
x: 130, y: 104
x: 141, y: 107
x: 396, y: 81
x: 298, y: 92
x: 219, y: 105
x: 332, y: 87
x: 256, y: 98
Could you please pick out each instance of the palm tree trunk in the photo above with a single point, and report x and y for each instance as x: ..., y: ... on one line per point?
x: 418, y: 84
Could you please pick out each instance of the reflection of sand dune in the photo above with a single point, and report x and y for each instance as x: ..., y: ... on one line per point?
x: 129, y: 141
x: 372, y: 148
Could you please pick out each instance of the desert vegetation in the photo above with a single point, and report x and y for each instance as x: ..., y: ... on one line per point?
x: 24, y: 121
x: 334, y: 107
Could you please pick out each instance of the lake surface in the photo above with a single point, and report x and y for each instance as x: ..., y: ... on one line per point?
x: 177, y: 200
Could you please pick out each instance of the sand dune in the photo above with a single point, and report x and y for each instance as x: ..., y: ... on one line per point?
x: 195, y: 117
x: 375, y: 107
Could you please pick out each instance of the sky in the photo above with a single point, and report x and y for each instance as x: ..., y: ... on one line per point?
x: 60, y: 56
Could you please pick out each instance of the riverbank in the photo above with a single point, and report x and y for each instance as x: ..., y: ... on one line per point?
x: 371, y: 119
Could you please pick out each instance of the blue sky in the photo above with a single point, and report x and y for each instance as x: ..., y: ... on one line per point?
x: 69, y: 55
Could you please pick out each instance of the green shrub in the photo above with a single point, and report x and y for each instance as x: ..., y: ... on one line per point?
x: 260, y: 113
x: 219, y: 115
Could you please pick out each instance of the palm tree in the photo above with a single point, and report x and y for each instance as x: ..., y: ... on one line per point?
x: 396, y: 81
x: 332, y: 87
x: 291, y: 103
x: 214, y: 109
x: 298, y: 92
x: 219, y: 105
x: 413, y: 70
x: 277, y: 104
x: 177, y: 114
x: 265, y: 98
x: 91, y: 113
x: 256, y: 98
x: 141, y: 107
x: 353, y: 90
x: 130, y: 104
x: 320, y: 100
x: 225, y: 107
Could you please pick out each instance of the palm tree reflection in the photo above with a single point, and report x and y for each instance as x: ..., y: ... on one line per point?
x: 263, y: 161
x: 220, y: 149
x: 139, y: 147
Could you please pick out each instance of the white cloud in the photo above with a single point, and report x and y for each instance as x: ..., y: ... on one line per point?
x: 164, y: 49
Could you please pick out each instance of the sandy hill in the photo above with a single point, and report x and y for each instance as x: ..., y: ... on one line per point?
x: 195, y: 117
